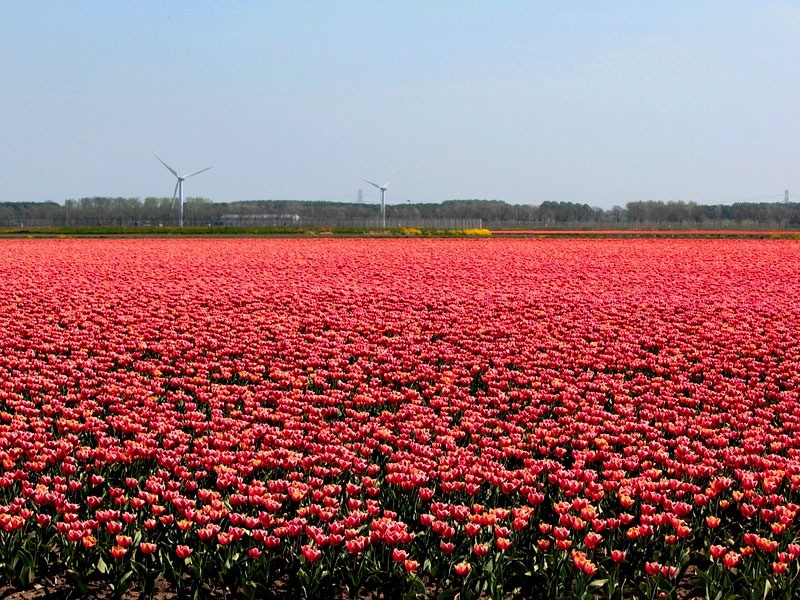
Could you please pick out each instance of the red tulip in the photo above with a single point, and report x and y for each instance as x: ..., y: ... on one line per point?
x: 731, y: 559
x: 410, y: 565
x: 712, y: 522
x: 399, y: 555
x: 652, y: 568
x: 147, y: 547
x: 592, y: 540
x: 311, y: 553
x: 89, y: 542
x: 717, y: 551
x: 447, y: 547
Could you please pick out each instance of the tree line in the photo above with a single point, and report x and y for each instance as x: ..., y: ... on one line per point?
x: 153, y: 212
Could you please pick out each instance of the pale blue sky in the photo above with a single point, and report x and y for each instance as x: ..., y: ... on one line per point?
x: 596, y: 102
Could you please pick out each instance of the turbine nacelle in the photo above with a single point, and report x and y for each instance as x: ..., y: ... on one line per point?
x: 382, y: 188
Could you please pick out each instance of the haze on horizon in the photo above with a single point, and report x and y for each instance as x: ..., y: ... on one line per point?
x: 526, y: 102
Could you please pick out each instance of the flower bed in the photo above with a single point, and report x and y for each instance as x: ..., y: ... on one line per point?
x: 551, y: 418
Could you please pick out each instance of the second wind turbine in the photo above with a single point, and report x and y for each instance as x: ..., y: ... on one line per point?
x: 383, y: 189
x: 179, y: 186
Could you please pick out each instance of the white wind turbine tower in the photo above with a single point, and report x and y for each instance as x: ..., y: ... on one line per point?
x: 383, y: 189
x: 179, y: 186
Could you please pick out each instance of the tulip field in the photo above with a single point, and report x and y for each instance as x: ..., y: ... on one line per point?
x: 402, y: 418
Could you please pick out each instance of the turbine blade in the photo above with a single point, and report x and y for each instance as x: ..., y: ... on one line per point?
x: 391, y: 179
x: 196, y: 172
x: 175, y: 193
x: 369, y: 182
x: 171, y: 170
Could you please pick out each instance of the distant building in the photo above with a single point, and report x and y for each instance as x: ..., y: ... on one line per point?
x: 259, y: 220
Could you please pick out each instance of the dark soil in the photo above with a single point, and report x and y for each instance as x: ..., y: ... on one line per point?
x: 59, y: 588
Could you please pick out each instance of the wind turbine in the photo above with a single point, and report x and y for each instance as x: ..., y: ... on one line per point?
x: 179, y: 186
x: 383, y: 189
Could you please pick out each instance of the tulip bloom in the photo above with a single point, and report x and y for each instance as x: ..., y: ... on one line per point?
x: 717, y: 551
x: 89, y: 542
x: 592, y: 540
x: 399, y: 555
x: 447, y: 547
x: 652, y: 568
x: 311, y: 553
x: 712, y: 522
x: 503, y: 544
x: 731, y: 559
x: 410, y: 565
x: 779, y: 568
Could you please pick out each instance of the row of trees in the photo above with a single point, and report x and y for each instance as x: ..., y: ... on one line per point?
x: 134, y: 212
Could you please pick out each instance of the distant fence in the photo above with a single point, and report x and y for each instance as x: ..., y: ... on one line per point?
x: 247, y: 221
x: 546, y: 224
x: 35, y: 223
x: 395, y: 223
x: 292, y: 220
x: 259, y: 220
x: 722, y: 224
